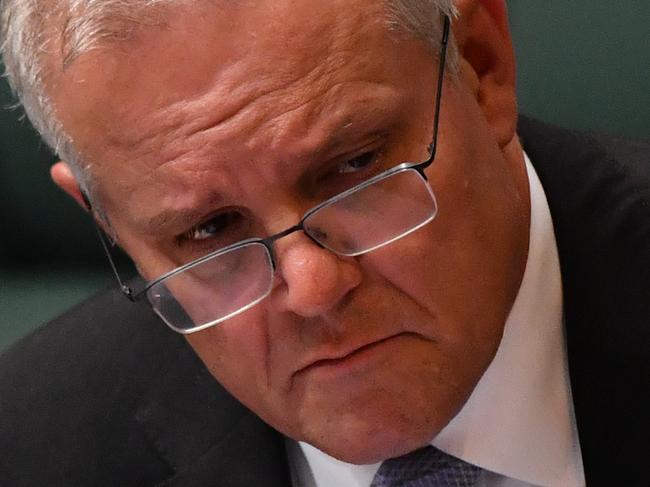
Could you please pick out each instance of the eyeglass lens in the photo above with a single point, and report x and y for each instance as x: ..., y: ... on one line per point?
x: 373, y: 216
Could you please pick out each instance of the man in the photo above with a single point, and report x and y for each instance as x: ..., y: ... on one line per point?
x: 249, y: 157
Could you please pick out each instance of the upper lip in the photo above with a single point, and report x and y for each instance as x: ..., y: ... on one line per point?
x: 340, y: 353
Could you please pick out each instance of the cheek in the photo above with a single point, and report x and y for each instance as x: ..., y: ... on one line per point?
x: 448, y: 270
x: 235, y: 352
x: 463, y: 267
x: 251, y: 365
x: 467, y: 264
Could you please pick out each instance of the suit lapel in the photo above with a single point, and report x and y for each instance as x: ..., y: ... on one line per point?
x: 205, y: 436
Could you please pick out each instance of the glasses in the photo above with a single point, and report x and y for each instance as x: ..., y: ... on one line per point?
x: 231, y: 280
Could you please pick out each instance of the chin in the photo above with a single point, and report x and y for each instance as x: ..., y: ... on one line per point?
x: 366, y: 443
x: 377, y: 430
x: 371, y: 412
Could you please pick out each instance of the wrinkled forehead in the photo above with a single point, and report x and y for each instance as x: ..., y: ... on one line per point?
x: 251, y: 43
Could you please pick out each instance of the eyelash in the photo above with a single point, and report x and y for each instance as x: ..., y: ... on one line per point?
x: 223, y: 219
x: 346, y: 173
x: 367, y: 157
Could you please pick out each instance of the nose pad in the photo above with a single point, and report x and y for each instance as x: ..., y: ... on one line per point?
x: 314, y: 280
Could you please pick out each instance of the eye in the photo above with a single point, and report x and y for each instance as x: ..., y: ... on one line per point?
x: 226, y: 225
x: 358, y: 163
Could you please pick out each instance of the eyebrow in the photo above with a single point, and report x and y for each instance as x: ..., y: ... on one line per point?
x: 349, y: 134
x: 176, y: 220
x: 166, y: 221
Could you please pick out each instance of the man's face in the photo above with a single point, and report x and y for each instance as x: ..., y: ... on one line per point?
x: 252, y: 115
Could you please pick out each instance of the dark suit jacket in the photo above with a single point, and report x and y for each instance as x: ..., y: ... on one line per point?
x: 106, y: 395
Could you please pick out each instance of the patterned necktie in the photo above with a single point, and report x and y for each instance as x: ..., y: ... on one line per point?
x: 426, y: 467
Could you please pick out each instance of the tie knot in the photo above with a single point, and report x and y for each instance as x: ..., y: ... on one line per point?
x: 426, y: 467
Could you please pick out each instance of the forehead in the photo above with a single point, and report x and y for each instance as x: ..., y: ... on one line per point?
x: 237, y: 50
x: 225, y: 80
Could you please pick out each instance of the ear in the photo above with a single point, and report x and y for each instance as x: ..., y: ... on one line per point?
x: 488, y: 62
x: 64, y: 179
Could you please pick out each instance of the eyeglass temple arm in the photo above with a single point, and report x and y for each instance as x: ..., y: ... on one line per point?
x: 107, y: 243
x: 441, y: 73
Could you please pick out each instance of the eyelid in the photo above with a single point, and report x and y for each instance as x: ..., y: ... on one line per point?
x: 186, y: 236
x: 375, y: 144
x: 371, y: 158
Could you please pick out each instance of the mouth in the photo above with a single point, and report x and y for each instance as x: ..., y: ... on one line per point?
x: 361, y: 349
x: 351, y: 359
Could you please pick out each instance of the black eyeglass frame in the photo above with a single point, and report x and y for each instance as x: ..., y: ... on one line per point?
x: 137, y: 294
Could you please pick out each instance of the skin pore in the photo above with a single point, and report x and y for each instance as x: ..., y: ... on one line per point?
x: 252, y: 110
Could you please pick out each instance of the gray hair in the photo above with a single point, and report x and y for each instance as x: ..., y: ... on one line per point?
x: 33, y: 32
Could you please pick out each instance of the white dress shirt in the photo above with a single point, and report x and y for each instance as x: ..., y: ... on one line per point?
x: 518, y: 424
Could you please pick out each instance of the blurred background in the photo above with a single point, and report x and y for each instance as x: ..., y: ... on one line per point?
x: 583, y: 64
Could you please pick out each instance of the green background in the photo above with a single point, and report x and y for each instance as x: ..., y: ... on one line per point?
x: 582, y: 64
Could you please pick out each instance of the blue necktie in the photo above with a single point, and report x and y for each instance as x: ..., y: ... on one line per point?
x: 426, y: 467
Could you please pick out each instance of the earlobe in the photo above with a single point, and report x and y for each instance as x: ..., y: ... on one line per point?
x: 487, y: 64
x: 64, y: 178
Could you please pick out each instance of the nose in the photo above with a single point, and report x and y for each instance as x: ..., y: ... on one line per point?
x: 313, y: 279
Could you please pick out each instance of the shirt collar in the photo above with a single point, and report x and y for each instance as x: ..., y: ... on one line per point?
x: 519, y: 420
